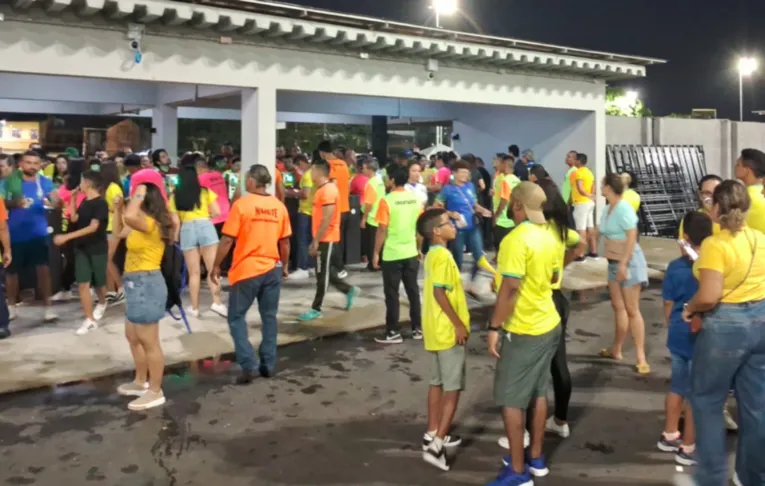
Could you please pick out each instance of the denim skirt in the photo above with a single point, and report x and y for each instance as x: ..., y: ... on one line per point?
x: 637, y: 269
x: 145, y: 296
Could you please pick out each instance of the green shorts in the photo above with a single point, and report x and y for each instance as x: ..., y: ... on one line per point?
x: 523, y: 369
x: 90, y: 269
x: 447, y: 368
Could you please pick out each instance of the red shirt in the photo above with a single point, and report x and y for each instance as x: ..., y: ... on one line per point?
x: 358, y: 184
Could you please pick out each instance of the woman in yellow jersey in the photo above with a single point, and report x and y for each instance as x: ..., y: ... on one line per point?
x: 728, y: 313
x: 569, y: 247
x: 112, y: 194
x: 147, y: 227
x: 627, y: 271
x: 706, y: 189
x: 630, y: 194
x: 192, y: 208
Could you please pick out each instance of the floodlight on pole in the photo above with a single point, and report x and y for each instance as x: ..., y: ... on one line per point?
x: 444, y: 7
x: 746, y: 67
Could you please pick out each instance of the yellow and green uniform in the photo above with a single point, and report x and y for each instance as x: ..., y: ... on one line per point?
x: 565, y: 189
x: 531, y: 253
x: 441, y: 272
x: 632, y: 198
x: 572, y: 239
x: 756, y: 216
x: 376, y: 188
x: 306, y: 182
x: 399, y: 211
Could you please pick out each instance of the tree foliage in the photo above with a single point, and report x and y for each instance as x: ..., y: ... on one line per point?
x: 619, y: 103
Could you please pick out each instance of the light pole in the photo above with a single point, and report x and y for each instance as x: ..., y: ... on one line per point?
x: 746, y: 67
x: 443, y: 7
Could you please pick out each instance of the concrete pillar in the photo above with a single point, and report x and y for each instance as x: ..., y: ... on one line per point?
x: 646, y: 131
x: 380, y: 138
x: 259, y: 129
x: 599, y: 169
x: 164, y: 124
x: 730, y: 148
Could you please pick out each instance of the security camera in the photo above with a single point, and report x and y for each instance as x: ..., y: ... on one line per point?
x: 431, y: 75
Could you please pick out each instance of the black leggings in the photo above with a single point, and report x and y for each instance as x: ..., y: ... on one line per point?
x: 559, y: 368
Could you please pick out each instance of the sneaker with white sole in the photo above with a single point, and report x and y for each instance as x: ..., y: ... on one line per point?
x: 417, y: 335
x: 390, y: 337
x: 220, y: 309
x: 86, y: 327
x: 505, y: 444
x: 99, y: 311
x: 115, y: 298
x: 299, y: 275
x: 449, y: 441
x: 132, y: 389
x: 61, y: 296
x: 49, y: 315
x: 538, y: 467
x: 190, y: 311
x: 12, y: 312
x: 669, y: 445
x: 562, y: 430
x: 147, y: 400
x: 342, y: 274
x: 436, y: 457
x: 685, y: 458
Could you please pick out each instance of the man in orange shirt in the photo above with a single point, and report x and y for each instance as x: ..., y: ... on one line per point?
x: 325, y: 226
x: 5, y: 239
x: 261, y: 227
x: 341, y: 176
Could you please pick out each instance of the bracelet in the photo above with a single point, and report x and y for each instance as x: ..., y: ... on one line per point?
x: 494, y: 329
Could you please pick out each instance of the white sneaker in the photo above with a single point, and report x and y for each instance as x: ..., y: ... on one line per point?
x: 12, y: 312
x: 299, y: 275
x: 342, y: 274
x: 61, y: 296
x: 505, y: 444
x: 552, y: 426
x: 148, y: 399
x: 190, y: 311
x: 730, y: 424
x: 99, y: 311
x: 219, y: 309
x: 86, y: 327
x: 736, y: 480
x: 49, y: 315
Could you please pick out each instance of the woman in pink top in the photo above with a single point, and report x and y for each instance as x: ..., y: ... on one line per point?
x: 213, y: 180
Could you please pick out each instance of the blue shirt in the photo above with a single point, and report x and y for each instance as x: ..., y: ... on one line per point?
x: 679, y: 287
x: 623, y: 218
x: 31, y: 221
x: 459, y: 199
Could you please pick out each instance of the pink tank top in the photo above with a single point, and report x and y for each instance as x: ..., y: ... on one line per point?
x: 66, y: 196
x: 213, y: 181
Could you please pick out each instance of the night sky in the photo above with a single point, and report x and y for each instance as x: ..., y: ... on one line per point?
x: 700, y: 39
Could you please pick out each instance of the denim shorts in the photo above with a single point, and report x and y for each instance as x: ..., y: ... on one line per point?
x: 197, y: 234
x: 637, y: 269
x: 680, y: 383
x: 146, y: 297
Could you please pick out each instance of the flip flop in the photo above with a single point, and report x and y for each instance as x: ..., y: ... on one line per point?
x: 643, y: 369
x: 606, y: 353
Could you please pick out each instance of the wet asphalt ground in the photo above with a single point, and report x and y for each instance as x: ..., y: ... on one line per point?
x: 341, y: 411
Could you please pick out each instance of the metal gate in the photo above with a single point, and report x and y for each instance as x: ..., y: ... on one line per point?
x: 666, y: 177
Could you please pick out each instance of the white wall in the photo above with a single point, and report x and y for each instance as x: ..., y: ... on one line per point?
x: 622, y: 130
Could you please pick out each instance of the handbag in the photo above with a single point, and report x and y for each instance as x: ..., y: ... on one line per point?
x: 476, y: 221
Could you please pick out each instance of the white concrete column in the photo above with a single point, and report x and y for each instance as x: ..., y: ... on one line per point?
x: 599, y: 153
x: 730, y: 148
x: 164, y: 121
x: 259, y: 129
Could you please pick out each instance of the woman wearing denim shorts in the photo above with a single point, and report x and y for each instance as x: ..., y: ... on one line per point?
x: 147, y: 226
x: 192, y: 208
x: 627, y: 271
x: 728, y: 314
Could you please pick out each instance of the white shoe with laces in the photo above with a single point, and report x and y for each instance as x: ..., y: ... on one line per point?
x: 299, y: 275
x: 86, y: 327
x: 99, y: 311
x: 190, y: 311
x: 61, y: 296
x: 505, y: 444
x: 219, y: 309
x: 49, y: 315
x: 552, y: 426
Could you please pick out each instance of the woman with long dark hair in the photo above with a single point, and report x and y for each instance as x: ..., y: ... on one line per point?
x: 557, y: 216
x: 112, y: 190
x: 60, y: 167
x: 192, y: 208
x: 148, y: 228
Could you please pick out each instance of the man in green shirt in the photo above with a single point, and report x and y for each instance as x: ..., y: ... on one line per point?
x: 374, y: 191
x: 565, y: 189
x: 397, y: 230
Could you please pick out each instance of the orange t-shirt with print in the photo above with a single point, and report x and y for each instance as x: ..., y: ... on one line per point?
x: 257, y: 223
x: 326, y: 195
x: 338, y: 171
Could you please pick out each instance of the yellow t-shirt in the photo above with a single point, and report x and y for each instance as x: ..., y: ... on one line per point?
x: 144, y: 250
x: 530, y: 253
x: 756, y: 216
x: 202, y: 211
x: 632, y: 198
x: 441, y: 271
x: 680, y: 230
x: 572, y: 239
x: 588, y: 180
x: 731, y: 255
x: 112, y: 192
x: 306, y: 205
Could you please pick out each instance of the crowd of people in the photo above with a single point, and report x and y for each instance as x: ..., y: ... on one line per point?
x: 415, y: 211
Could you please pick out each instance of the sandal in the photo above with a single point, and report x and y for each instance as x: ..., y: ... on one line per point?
x: 606, y: 353
x: 643, y: 369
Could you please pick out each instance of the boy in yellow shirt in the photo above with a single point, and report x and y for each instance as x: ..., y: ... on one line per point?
x: 446, y: 327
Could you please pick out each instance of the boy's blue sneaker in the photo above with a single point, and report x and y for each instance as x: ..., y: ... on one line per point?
x: 350, y: 296
x: 310, y: 316
x: 538, y: 467
x: 508, y: 477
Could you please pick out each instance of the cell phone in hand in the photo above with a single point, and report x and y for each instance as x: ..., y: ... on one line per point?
x: 688, y: 249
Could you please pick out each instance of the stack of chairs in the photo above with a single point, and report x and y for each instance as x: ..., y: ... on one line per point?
x: 667, y: 177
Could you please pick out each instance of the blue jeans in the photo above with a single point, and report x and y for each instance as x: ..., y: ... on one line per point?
x: 470, y: 238
x: 265, y: 289
x: 305, y: 261
x: 730, y: 349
